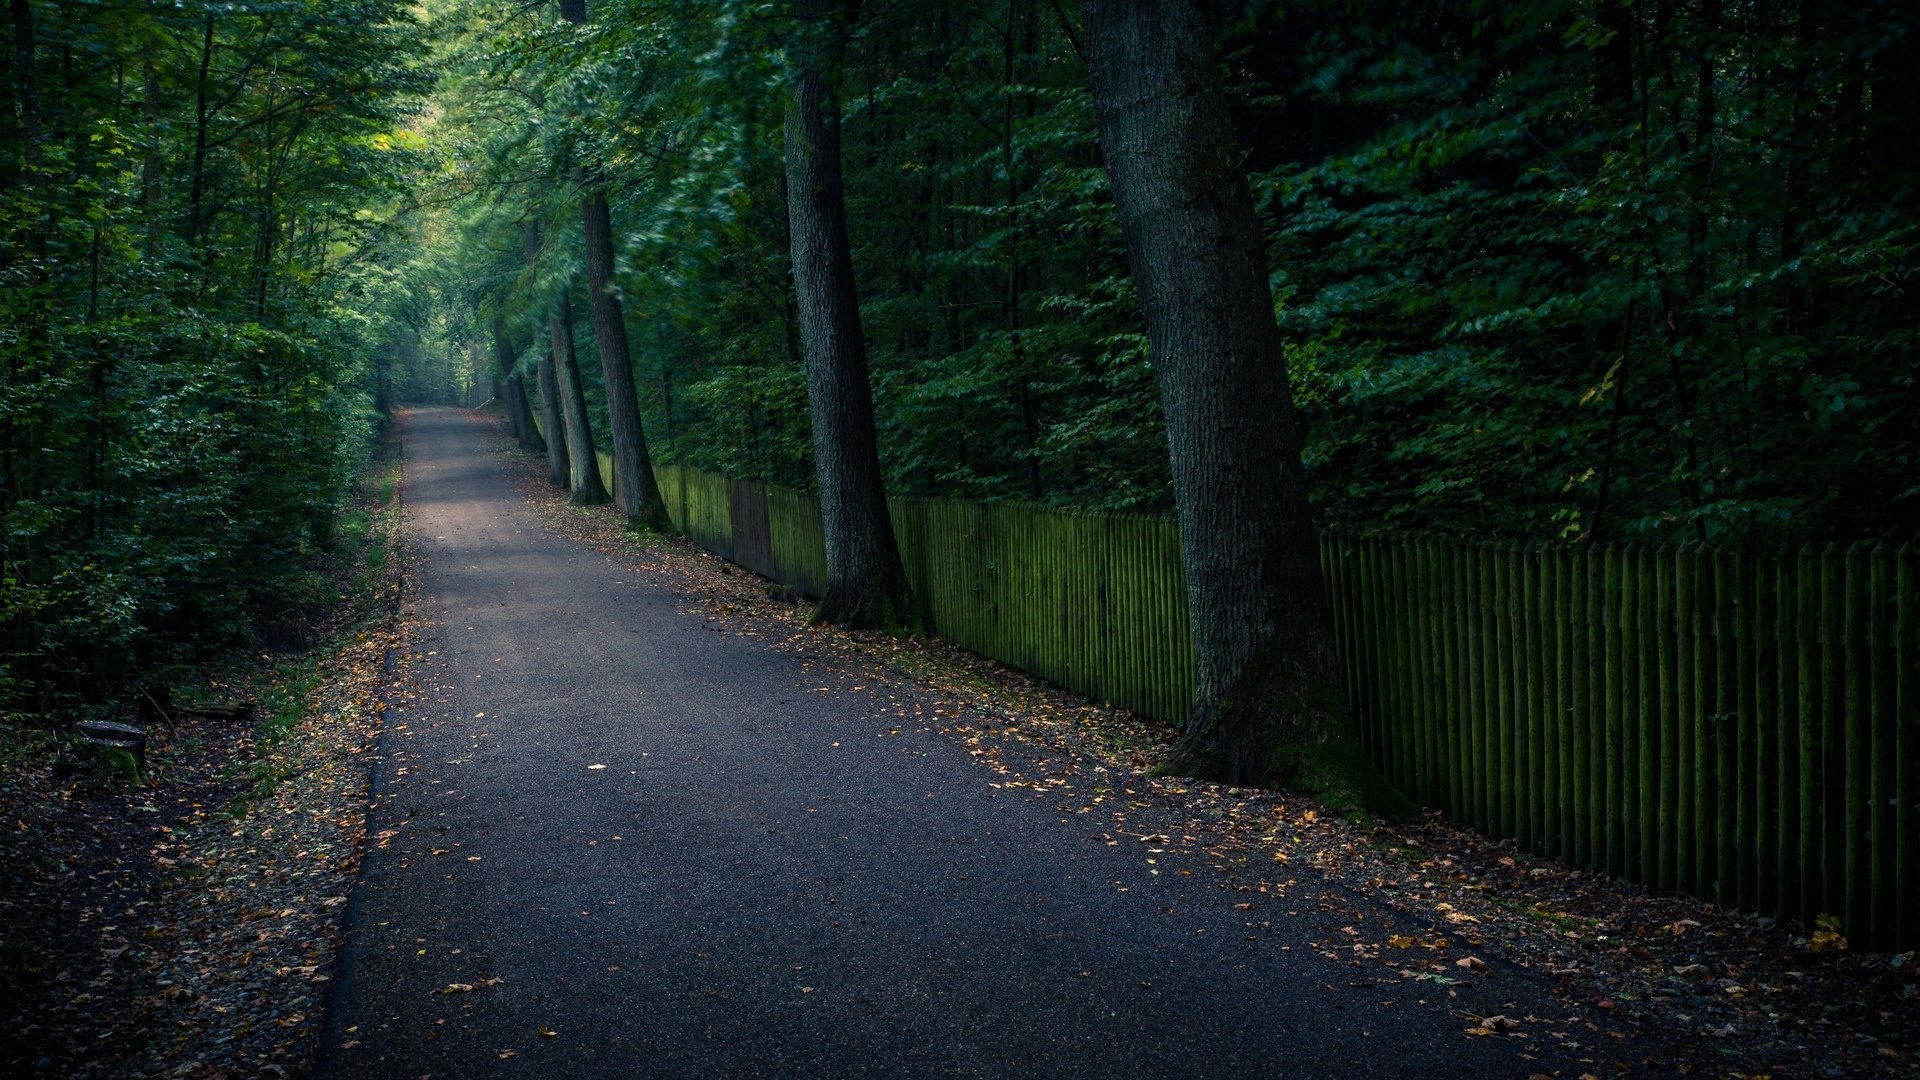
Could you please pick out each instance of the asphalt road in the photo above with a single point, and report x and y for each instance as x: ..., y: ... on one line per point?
x: 756, y: 885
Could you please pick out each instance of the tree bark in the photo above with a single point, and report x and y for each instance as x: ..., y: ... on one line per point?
x: 153, y: 166
x: 635, y: 491
x: 26, y: 83
x: 584, y: 463
x: 197, y: 185
x: 1269, y: 707
x: 550, y: 420
x: 514, y: 391
x: 866, y: 585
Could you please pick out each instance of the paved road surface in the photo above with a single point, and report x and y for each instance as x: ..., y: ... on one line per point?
x: 736, y: 895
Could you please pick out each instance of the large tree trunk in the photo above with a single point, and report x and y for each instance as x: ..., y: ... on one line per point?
x: 553, y: 410
x: 519, y: 415
x: 1268, y: 707
x: 634, y: 490
x: 584, y: 463
x: 865, y: 582
x: 557, y: 458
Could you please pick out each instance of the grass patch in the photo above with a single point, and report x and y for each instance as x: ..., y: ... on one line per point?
x: 352, y: 527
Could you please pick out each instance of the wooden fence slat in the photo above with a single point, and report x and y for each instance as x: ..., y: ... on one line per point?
x: 1665, y: 731
x: 1562, y: 728
x: 1454, y: 557
x: 1434, y: 653
x: 1468, y: 608
x: 1626, y: 721
x: 1880, y: 750
x: 1529, y: 750
x: 1686, y: 839
x: 1855, y: 750
x: 1513, y: 688
x: 1700, y: 724
x: 1786, y: 739
x: 1742, y: 730
x: 1382, y: 700
x: 1906, y: 723
x: 1515, y: 662
x: 1417, y: 656
x: 1407, y: 635
x: 1366, y: 641
x: 1346, y: 600
x: 1392, y: 696
x: 1541, y: 727
x: 1547, y: 701
x: 1579, y: 630
x: 1646, y: 744
x: 1725, y: 729
x: 1485, y: 670
x: 1368, y: 582
x: 1551, y: 725
x: 1759, y: 677
x: 1607, y: 807
x: 1833, y: 710
x: 1808, y: 712
x: 1453, y: 568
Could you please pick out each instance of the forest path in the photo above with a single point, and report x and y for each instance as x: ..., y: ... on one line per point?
x: 681, y: 862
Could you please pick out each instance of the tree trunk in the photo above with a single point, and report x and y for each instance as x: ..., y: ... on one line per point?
x: 153, y: 166
x: 26, y: 83
x: 865, y: 582
x: 584, y: 482
x: 1268, y: 707
x: 514, y: 398
x: 557, y: 460
x: 197, y: 185
x: 635, y: 491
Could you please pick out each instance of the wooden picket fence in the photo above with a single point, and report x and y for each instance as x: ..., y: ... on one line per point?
x: 1094, y: 603
x: 1741, y: 727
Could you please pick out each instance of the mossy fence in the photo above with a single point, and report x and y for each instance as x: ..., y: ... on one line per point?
x: 1740, y: 727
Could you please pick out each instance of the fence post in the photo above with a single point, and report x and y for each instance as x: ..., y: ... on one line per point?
x: 1906, y: 724
x: 1855, y: 719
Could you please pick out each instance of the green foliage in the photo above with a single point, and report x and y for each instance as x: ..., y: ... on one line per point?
x: 1593, y: 270
x: 186, y: 262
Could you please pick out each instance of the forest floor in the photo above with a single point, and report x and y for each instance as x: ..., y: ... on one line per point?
x: 1653, y: 984
x: 182, y: 920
